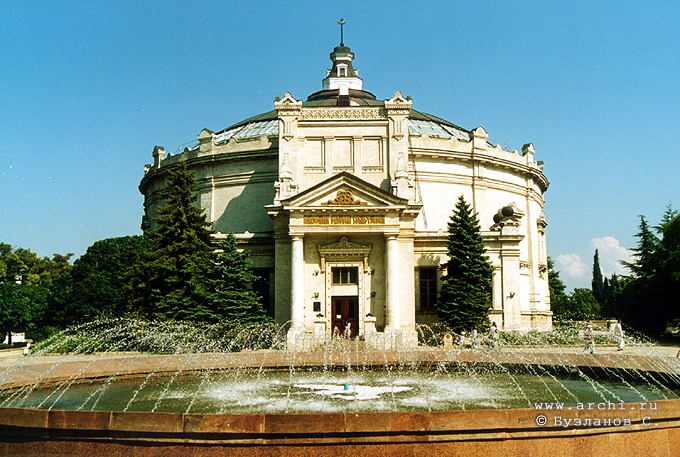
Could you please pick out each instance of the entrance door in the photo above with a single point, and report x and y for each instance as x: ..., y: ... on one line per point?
x: 345, y: 319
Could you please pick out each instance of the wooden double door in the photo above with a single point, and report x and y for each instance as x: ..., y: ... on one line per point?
x: 345, y: 316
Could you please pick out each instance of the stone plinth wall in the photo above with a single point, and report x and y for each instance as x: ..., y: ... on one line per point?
x: 601, y: 429
x: 515, y: 432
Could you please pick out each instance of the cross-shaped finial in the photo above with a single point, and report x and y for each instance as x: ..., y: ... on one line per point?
x: 342, y: 25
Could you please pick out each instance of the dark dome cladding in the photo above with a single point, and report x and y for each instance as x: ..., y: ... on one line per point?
x: 329, y: 97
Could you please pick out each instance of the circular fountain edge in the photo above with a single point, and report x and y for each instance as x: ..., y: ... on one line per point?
x: 235, y: 434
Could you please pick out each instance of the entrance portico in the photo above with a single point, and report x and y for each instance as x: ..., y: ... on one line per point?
x: 349, y: 248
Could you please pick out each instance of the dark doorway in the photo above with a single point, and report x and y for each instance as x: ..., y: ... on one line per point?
x: 345, y: 316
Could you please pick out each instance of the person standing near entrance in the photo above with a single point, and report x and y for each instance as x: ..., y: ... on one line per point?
x: 348, y: 331
x: 589, y: 339
x: 493, y: 336
x: 618, y: 335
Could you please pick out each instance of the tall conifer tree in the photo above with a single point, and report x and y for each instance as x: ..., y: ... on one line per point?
x: 171, y: 282
x: 231, y: 286
x: 668, y: 276
x: 598, y: 285
x: 668, y: 216
x: 465, y: 296
x: 645, y: 262
x: 651, y: 294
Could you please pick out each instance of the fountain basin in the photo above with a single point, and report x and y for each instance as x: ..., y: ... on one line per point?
x: 518, y: 431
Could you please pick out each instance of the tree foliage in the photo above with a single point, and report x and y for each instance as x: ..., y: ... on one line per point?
x: 183, y: 276
x: 582, y: 305
x: 170, y: 282
x: 95, y: 287
x: 232, y: 295
x: 465, y: 295
x: 24, y: 266
x: 26, y: 285
x: 667, y: 280
x: 648, y: 298
x: 668, y: 217
x: 644, y: 265
x: 597, y: 282
x: 613, y: 289
x: 558, y: 298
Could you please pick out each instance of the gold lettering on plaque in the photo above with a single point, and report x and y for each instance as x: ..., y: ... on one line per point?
x: 316, y: 220
x: 354, y: 220
x: 361, y: 220
x: 341, y: 220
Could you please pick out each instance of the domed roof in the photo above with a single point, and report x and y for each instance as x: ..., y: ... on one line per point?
x: 341, y: 87
x: 419, y: 123
x: 329, y: 97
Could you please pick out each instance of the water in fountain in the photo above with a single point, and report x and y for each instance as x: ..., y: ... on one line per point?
x: 346, y: 377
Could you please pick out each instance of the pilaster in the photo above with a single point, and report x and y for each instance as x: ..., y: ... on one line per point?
x: 510, y: 282
x: 398, y: 109
x: 288, y: 110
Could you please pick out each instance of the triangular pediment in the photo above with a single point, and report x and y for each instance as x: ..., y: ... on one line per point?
x: 287, y: 99
x: 399, y: 99
x: 342, y: 191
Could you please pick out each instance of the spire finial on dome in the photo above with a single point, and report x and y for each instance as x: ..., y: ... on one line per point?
x: 342, y: 22
x: 342, y: 75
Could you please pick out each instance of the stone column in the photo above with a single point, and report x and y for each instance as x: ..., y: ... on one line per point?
x: 392, y: 290
x: 297, y: 289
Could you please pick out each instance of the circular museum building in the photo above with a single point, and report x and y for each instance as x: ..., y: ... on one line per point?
x: 343, y: 201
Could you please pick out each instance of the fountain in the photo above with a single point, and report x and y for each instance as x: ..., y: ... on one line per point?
x: 132, y: 385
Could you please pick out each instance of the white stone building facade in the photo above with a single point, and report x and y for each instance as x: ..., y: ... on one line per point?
x: 343, y: 201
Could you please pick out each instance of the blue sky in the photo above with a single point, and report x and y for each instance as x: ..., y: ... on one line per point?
x: 88, y: 88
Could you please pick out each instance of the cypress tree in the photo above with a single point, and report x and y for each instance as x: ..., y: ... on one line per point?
x: 598, y: 285
x: 465, y: 296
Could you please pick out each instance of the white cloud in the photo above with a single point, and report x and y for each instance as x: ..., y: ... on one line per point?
x: 571, y: 265
x: 611, y: 254
x: 577, y: 273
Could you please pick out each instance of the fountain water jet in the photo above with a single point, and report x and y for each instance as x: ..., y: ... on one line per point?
x: 423, y: 424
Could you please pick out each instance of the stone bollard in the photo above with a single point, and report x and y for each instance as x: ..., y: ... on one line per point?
x: 369, y: 324
x: 319, y: 325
